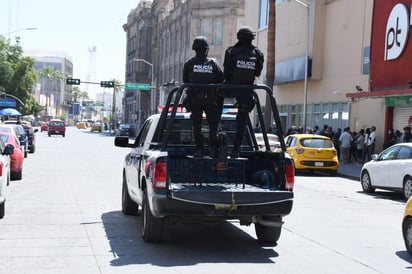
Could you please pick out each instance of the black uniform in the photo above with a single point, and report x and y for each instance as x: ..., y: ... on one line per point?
x: 243, y: 62
x: 201, y: 69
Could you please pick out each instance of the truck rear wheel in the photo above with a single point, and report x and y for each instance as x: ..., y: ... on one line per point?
x: 129, y: 207
x: 268, y: 234
x: 152, y: 227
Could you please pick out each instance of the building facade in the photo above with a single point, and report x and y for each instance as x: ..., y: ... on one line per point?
x: 337, y: 36
x: 159, y: 42
x: 53, y: 94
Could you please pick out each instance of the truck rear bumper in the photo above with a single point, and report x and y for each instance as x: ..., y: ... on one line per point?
x: 167, y: 206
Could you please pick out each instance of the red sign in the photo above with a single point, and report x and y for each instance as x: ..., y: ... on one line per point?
x: 391, y: 45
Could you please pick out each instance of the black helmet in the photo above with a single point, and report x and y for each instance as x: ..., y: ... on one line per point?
x: 200, y: 42
x: 246, y: 33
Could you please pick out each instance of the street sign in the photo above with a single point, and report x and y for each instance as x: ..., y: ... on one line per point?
x: 137, y: 86
x: 98, y: 105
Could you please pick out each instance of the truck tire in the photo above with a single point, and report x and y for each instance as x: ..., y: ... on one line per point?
x: 129, y: 207
x: 268, y: 234
x: 152, y: 227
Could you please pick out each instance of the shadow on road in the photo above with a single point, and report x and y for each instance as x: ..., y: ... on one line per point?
x: 183, y: 244
x: 404, y: 255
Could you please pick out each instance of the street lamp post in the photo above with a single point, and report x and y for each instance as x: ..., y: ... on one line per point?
x: 17, y: 30
x: 152, y: 99
x: 305, y: 88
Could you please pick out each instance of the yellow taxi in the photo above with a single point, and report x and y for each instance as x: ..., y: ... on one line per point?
x: 407, y: 226
x: 97, y: 126
x: 81, y: 125
x: 312, y: 152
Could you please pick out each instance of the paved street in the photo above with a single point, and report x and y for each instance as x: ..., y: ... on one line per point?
x: 65, y: 217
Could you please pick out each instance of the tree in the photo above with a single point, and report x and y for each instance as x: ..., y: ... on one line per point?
x: 78, y: 94
x: 51, y: 75
x: 270, y: 64
x: 17, y: 75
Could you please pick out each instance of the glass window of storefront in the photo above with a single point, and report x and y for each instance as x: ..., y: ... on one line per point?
x: 335, y: 115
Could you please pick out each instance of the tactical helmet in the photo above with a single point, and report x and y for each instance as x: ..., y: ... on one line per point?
x: 200, y: 42
x: 246, y: 33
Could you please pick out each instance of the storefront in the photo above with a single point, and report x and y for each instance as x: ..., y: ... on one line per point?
x: 390, y: 64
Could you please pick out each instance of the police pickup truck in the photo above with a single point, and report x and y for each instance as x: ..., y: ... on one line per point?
x: 161, y: 176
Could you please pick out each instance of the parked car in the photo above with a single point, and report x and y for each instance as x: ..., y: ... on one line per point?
x: 56, y: 127
x: 97, y: 126
x: 273, y: 141
x: 16, y: 158
x: 81, y: 125
x: 312, y: 152
x: 126, y: 130
x: 29, y: 131
x: 19, y: 132
x: 44, y: 126
x: 5, y: 152
x: 407, y: 226
x: 391, y: 170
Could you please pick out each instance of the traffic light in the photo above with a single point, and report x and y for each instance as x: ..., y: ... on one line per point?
x: 70, y: 81
x: 107, y: 84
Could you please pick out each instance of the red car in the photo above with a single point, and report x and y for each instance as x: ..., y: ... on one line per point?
x: 44, y: 127
x: 16, y: 159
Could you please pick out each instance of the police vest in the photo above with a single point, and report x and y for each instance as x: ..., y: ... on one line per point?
x: 244, y: 67
x: 203, y: 71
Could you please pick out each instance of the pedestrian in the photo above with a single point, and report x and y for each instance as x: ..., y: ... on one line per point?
x: 371, y: 142
x: 328, y: 133
x: 336, y: 137
x: 243, y: 63
x: 345, y: 144
x: 360, y: 144
x: 353, y: 156
x: 406, y: 136
x: 365, y: 155
x: 201, y: 69
x: 390, y: 139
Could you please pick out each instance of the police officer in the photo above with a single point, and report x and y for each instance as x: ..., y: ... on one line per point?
x: 243, y: 62
x: 201, y: 69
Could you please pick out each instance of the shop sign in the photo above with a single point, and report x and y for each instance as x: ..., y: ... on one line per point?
x: 398, y: 101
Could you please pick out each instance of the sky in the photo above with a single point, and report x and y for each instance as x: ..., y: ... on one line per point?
x: 72, y: 27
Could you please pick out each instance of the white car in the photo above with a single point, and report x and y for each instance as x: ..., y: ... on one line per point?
x: 5, y: 152
x: 273, y: 141
x: 391, y: 169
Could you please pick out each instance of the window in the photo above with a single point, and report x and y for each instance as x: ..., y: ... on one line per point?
x: 204, y: 27
x: 217, y: 31
x: 405, y: 153
x: 263, y: 13
x: 389, y: 154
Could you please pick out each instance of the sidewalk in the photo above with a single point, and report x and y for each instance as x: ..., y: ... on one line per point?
x: 351, y: 171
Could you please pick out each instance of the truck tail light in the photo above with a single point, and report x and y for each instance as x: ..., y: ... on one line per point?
x: 290, y: 176
x: 1, y: 168
x: 160, y: 175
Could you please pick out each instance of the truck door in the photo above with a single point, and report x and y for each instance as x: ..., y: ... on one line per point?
x: 136, y: 167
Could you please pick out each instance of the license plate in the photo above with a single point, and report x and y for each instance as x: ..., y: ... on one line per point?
x: 318, y: 163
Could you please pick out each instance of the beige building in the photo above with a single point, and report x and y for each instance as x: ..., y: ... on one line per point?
x: 159, y: 41
x: 338, y: 50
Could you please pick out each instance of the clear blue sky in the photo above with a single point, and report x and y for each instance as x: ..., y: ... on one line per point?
x: 72, y: 27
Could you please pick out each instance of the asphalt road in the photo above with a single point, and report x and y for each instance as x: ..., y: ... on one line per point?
x: 65, y: 216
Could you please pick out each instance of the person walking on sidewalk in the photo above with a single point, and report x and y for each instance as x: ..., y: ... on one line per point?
x: 360, y: 145
x: 371, y: 142
x: 345, y: 144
